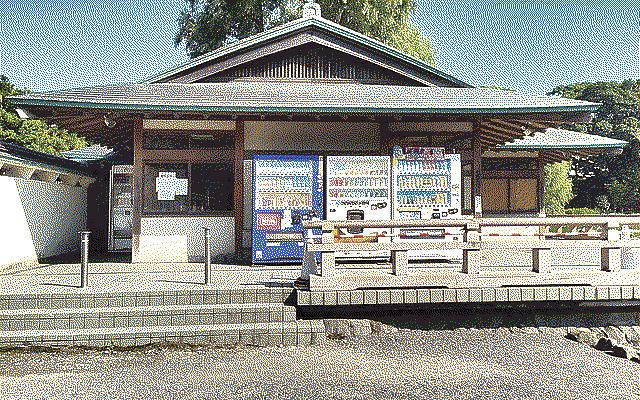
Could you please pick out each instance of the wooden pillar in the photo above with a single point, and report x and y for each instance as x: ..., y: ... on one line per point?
x: 541, y: 176
x: 138, y: 183
x: 386, y: 141
x: 477, y: 160
x: 238, y: 186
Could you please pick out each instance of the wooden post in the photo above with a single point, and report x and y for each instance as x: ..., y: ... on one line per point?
x: 386, y: 141
x: 541, y: 260
x: 400, y: 262
x: 238, y: 186
x: 471, y: 253
x: 611, y: 257
x: 477, y: 159
x: 138, y: 180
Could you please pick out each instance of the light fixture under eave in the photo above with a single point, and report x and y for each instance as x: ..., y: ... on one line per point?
x: 109, y: 121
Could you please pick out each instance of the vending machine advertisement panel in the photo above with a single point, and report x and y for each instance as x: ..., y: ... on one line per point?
x: 359, y: 188
x: 287, y: 190
x: 427, y: 185
x: 120, y: 208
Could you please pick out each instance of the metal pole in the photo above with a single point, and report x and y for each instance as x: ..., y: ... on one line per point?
x: 207, y: 255
x: 84, y: 258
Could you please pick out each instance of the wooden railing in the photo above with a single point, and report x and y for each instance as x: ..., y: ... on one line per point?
x: 604, y: 232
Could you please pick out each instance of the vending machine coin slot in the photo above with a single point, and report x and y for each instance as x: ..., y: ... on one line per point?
x: 355, y: 215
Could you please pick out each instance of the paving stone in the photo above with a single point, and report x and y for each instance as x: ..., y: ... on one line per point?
x: 357, y: 297
x: 488, y: 295
x: 370, y: 297
x: 553, y: 293
x: 317, y: 298
x: 437, y: 295
x: 449, y: 296
x: 627, y: 292
x: 540, y: 294
x: 475, y: 295
x: 577, y: 293
x: 304, y: 297
x: 514, y: 294
x: 410, y: 296
x: 602, y: 293
x: 383, y: 297
x: 344, y: 298
x: 462, y: 295
x: 615, y: 293
x: 502, y: 294
x: 528, y: 294
x: 330, y: 298
x: 590, y: 293
x: 396, y: 296
x: 636, y: 292
x: 565, y: 293
x: 423, y: 296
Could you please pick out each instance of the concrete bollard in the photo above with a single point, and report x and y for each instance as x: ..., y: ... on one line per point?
x: 207, y: 255
x: 84, y: 258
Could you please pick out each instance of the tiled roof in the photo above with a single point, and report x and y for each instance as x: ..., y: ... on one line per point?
x: 564, y: 140
x: 13, y: 153
x: 90, y: 153
x: 265, y: 97
x: 300, y: 25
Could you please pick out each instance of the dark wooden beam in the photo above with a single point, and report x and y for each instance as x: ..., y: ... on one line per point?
x: 138, y: 179
x: 238, y: 186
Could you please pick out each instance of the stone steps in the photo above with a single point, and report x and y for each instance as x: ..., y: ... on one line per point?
x: 257, y: 334
x: 82, y: 298
x: 145, y: 316
x: 221, y: 317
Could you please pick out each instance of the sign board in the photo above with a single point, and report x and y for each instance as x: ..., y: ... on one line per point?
x: 168, y: 186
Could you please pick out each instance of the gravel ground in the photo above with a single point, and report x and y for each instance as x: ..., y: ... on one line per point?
x: 460, y: 364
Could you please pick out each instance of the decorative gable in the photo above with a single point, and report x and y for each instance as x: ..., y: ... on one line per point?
x: 312, y: 62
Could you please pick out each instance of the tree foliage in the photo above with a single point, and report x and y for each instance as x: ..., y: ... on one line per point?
x: 616, y: 177
x: 205, y: 25
x: 32, y: 133
x: 558, y: 188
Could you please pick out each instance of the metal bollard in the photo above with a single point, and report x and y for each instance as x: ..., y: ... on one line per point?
x: 84, y: 258
x: 207, y: 255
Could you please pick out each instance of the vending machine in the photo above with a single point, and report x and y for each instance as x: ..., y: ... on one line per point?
x: 359, y: 188
x: 427, y: 185
x: 120, y: 208
x: 287, y: 190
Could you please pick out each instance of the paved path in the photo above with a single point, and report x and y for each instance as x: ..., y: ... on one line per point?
x: 460, y: 364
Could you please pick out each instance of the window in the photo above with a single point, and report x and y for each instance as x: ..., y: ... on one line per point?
x: 188, y: 189
x: 184, y: 140
x: 509, y: 195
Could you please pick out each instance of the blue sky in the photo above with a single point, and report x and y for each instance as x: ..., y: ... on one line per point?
x: 529, y: 46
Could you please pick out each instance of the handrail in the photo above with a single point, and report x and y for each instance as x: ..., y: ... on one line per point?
x: 490, y: 222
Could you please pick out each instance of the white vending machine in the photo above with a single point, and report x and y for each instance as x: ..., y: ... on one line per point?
x: 427, y: 185
x: 120, y: 208
x: 359, y: 188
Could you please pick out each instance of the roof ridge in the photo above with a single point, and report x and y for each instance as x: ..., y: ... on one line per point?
x: 292, y: 26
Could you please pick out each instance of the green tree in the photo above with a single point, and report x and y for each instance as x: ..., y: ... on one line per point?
x: 32, y: 133
x: 615, y: 176
x: 205, y: 25
x: 558, y: 188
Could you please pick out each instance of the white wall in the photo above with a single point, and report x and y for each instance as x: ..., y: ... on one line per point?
x: 181, y: 239
x: 39, y: 220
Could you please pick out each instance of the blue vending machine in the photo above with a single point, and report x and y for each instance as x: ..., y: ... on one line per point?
x: 287, y: 190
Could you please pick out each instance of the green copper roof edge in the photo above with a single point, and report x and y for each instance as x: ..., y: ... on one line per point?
x: 276, y: 109
x: 557, y: 146
x: 9, y: 158
x: 292, y: 27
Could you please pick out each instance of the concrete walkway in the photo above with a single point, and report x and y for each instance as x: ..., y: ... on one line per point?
x: 110, y: 277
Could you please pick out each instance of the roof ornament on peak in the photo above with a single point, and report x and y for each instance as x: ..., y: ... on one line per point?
x: 311, y: 9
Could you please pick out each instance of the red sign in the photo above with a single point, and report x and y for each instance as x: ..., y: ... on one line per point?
x: 268, y: 222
